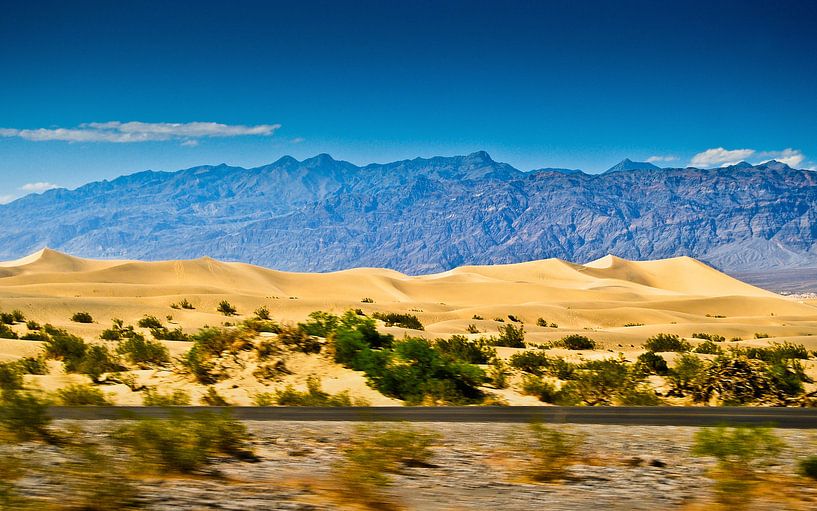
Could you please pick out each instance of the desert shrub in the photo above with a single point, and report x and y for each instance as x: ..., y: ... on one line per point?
x: 354, y: 337
x: 709, y: 337
x: 477, y: 317
x: 472, y: 329
x: 6, y: 332
x: 18, y: 316
x: 36, y: 335
x: 373, y: 454
x: 82, y: 317
x: 6, y: 318
x: 627, y: 325
x: 226, y: 308
x: 261, y: 325
x: 541, y: 322
x: 25, y: 417
x: 184, y: 303
x: 511, y: 336
x: 297, y: 339
x: 685, y: 377
x: 418, y: 373
x: 111, y: 334
x: 184, y: 443
x: 80, y: 357
x: 775, y: 353
x: 652, y: 363
x: 165, y: 334
x: 213, y: 398
x: 153, y: 397
x: 320, y: 324
x: 149, y: 322
x: 708, y: 348
x: 577, y: 342
x: 314, y: 396
x: 399, y: 319
x: 143, y: 352
x: 667, y: 342
x: 514, y: 318
x: 10, y: 376
x: 532, y: 362
x: 540, y: 388
x: 499, y: 373
x: 32, y: 365
x: 641, y: 394
x: 82, y: 395
x: 761, y: 335
x: 499, y: 320
x: 599, y: 382
x: 213, y: 341
x: 740, y: 452
x: 366, y: 300
x: 551, y: 451
x: 807, y: 467
x: 738, y: 380
x: 262, y: 313
x: 459, y: 347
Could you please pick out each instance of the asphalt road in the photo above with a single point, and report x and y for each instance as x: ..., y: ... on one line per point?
x: 799, y: 418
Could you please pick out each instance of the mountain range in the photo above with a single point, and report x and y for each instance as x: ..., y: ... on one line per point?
x: 427, y: 215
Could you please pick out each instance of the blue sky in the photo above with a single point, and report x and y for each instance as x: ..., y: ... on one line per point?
x: 93, y: 90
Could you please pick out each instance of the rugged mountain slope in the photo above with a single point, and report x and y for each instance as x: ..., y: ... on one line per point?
x: 426, y: 215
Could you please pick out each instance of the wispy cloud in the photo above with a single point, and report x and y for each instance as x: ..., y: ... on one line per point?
x: 791, y: 157
x: 719, y: 157
x: 297, y: 140
x: 39, y: 186
x: 661, y: 158
x: 134, y: 131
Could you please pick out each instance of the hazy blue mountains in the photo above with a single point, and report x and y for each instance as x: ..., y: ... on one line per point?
x: 427, y: 215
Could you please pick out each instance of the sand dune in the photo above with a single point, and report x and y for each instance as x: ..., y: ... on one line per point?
x: 678, y: 295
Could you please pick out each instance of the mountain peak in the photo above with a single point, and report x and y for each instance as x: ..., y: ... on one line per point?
x: 479, y: 157
x: 628, y: 164
x: 320, y: 159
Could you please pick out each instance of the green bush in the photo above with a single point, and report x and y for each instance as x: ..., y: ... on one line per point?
x: 577, y: 342
x: 738, y: 380
x: 511, y: 336
x: 142, y: 352
x: 807, y: 467
x: 36, y: 335
x: 472, y: 329
x: 740, y: 452
x: 652, y: 363
x: 149, y: 322
x: 708, y: 348
x: 261, y: 325
x: 540, y: 388
x: 25, y: 417
x: 398, y: 319
x: 761, y: 335
x: 209, y: 343
x: 18, y: 316
x: 80, y: 357
x: 459, y: 347
x: 709, y: 337
x: 10, y: 376
x: 366, y: 300
x: 552, y: 451
x: 6, y: 332
x: 184, y: 443
x: 687, y: 375
x: 82, y: 395
x: 375, y: 453
x: 166, y: 334
x: 226, y: 308
x: 32, y: 365
x: 183, y: 304
x: 153, y: 397
x: 667, y: 342
x: 314, y: 396
x: 82, y: 317
x: 262, y: 313
x: 499, y: 373
x: 97, y: 361
x: 514, y: 318
x: 213, y: 398
x: 320, y: 324
x: 532, y: 362
x: 600, y: 382
x: 297, y: 339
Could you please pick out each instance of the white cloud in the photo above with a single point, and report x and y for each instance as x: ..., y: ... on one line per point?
x: 124, y: 132
x: 791, y: 157
x: 190, y: 143
x: 297, y: 140
x: 5, y: 199
x: 661, y: 158
x: 720, y: 157
x: 40, y: 186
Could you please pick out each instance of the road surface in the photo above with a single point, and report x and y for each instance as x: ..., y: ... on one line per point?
x: 800, y: 418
